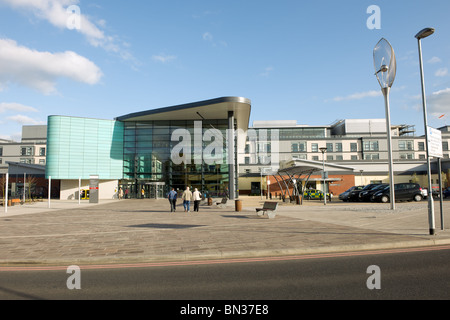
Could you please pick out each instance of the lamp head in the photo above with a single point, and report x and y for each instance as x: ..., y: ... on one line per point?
x: 425, y: 33
x: 385, y: 63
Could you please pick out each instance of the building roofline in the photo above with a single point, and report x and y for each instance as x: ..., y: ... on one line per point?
x: 183, y: 107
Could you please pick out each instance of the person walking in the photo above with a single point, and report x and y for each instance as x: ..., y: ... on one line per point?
x: 187, y: 197
x: 196, y: 196
x: 173, y: 200
x: 120, y: 193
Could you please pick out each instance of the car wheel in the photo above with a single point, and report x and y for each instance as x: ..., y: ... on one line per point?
x: 417, y: 197
x: 385, y: 199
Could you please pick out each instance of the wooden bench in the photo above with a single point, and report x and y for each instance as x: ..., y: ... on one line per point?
x: 269, y: 209
x: 223, y: 203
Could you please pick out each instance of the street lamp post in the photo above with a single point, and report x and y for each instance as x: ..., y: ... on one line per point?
x: 386, y: 69
x: 324, y: 150
x: 422, y: 35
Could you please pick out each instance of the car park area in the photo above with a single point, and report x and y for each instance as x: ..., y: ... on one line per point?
x: 381, y: 193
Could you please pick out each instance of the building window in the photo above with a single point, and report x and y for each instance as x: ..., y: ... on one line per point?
x: 372, y: 156
x: 42, y: 161
x: 27, y: 151
x: 422, y: 157
x: 27, y: 161
x: 371, y: 146
x: 445, y: 146
x: 405, y: 145
x: 314, y: 147
x: 353, y: 147
x: 247, y: 160
x: 406, y: 156
x: 421, y: 146
x: 299, y: 157
x: 354, y: 157
x: 330, y: 158
x: 42, y: 152
x: 315, y: 158
x: 338, y: 147
x: 1, y: 152
x: 329, y: 147
x: 339, y: 158
x: 294, y: 147
x: 302, y: 146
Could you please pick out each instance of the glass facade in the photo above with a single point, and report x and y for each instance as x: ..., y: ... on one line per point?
x: 80, y: 147
x: 148, y: 169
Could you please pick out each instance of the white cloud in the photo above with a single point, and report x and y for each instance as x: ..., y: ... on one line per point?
x: 267, y: 72
x: 17, y: 107
x: 207, y: 36
x: 40, y: 70
x: 439, y: 102
x: 163, y: 58
x: 56, y: 13
x: 434, y: 60
x: 441, y: 72
x: 359, y: 96
x: 24, y: 120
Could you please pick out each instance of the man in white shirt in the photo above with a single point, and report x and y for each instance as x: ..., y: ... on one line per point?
x: 196, y: 197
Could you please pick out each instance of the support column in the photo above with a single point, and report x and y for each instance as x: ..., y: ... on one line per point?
x: 231, y: 157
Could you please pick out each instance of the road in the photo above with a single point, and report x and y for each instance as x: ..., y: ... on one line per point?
x: 413, y: 274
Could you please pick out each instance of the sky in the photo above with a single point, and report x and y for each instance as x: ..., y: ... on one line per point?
x: 310, y: 61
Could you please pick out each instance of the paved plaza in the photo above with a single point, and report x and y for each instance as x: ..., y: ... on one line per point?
x: 135, y: 231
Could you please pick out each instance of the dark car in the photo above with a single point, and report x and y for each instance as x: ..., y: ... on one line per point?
x: 354, y: 194
x: 446, y: 193
x: 366, y: 195
x: 403, y: 191
x: 344, y: 196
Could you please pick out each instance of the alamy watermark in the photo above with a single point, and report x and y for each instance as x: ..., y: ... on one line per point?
x: 374, y: 21
x: 74, y: 281
x: 374, y: 281
x: 188, y: 150
x: 73, y: 21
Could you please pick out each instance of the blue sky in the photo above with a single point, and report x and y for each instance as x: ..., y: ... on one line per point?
x: 310, y: 61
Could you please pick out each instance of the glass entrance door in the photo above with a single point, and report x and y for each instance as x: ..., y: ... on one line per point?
x: 156, y: 190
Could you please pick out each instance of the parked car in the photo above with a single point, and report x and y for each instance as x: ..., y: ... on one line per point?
x: 344, y: 196
x: 435, y: 192
x: 446, y: 193
x: 354, y: 194
x: 366, y: 195
x: 313, y: 194
x: 403, y: 191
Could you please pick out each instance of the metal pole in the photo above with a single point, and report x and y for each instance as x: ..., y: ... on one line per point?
x: 261, y: 184
x: 324, y: 183
x: 6, y: 193
x: 79, y: 190
x: 24, y: 186
x: 389, y: 138
x: 432, y: 223
x: 441, y: 193
x: 49, y: 190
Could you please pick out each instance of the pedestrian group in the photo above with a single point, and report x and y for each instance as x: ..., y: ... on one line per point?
x: 187, y: 197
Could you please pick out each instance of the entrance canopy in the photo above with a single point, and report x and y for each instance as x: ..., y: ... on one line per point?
x: 218, y: 108
x: 302, y: 170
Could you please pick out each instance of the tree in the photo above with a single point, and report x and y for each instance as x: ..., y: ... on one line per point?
x: 31, y: 181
